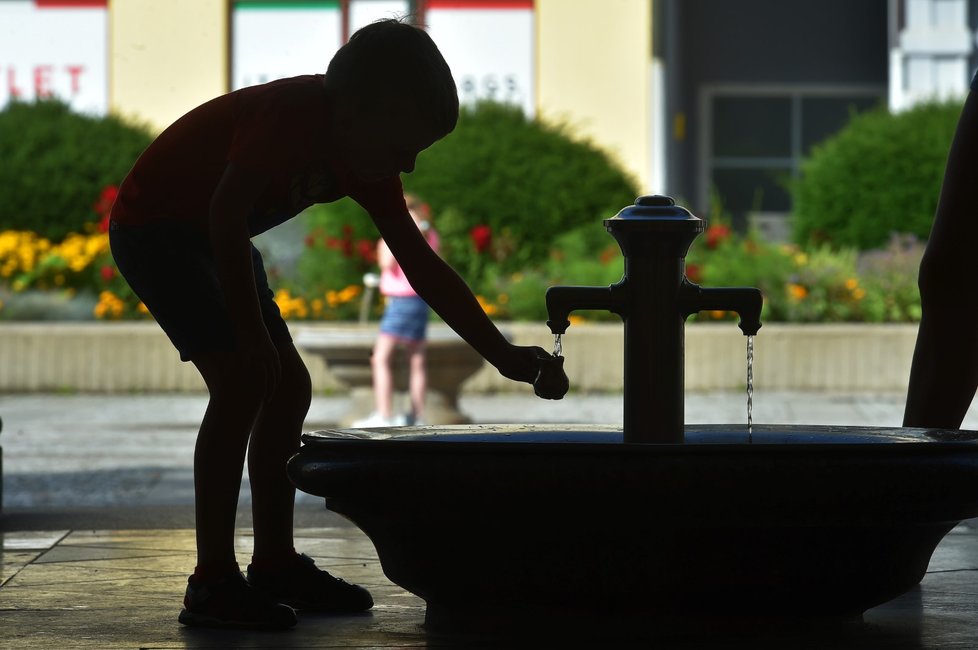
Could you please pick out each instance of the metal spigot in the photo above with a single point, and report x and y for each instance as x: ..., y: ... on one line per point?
x: 654, y: 298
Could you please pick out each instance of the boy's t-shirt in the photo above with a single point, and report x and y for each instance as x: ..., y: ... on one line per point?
x: 279, y: 130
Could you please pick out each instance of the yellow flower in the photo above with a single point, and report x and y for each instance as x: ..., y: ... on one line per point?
x: 574, y: 319
x: 349, y: 293
x: 109, y: 306
x: 489, y: 308
x: 797, y: 292
x: 801, y: 259
x: 852, y: 284
x: 291, y: 307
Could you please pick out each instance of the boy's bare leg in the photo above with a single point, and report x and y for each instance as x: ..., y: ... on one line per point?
x: 235, y: 401
x: 274, y: 439
x: 418, y: 381
x: 944, y: 375
x: 383, y: 376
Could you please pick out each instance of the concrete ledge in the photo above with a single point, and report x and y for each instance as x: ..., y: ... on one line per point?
x: 128, y: 357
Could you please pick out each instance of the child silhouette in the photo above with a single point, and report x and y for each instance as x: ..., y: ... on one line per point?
x: 181, y: 233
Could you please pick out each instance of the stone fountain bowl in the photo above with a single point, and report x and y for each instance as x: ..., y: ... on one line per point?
x: 510, y: 523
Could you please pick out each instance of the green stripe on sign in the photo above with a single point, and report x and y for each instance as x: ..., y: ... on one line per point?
x: 287, y: 4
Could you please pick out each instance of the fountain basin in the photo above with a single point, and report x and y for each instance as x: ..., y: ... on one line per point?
x: 499, y: 523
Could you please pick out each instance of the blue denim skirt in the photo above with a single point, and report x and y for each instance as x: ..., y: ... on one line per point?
x: 405, y: 317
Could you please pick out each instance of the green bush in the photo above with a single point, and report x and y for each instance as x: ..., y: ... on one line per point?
x: 527, y: 180
x: 54, y: 162
x: 527, y: 185
x: 880, y: 175
x: 524, y: 182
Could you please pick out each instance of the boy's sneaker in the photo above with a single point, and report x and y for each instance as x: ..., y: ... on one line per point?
x: 300, y: 584
x: 232, y: 602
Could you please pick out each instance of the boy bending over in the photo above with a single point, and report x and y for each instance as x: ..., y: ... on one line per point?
x: 181, y: 235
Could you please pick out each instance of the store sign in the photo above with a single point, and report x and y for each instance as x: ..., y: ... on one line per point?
x: 51, y: 48
x: 276, y: 40
x: 489, y: 45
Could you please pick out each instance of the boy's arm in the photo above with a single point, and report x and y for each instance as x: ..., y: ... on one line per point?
x: 232, y: 202
x: 444, y: 291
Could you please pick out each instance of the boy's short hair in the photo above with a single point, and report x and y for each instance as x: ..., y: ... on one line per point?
x: 389, y: 61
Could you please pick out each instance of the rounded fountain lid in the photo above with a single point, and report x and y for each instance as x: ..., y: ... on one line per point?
x: 655, y: 212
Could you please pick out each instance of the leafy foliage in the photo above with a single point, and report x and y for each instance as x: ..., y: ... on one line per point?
x: 880, y: 175
x: 54, y: 161
x: 526, y: 180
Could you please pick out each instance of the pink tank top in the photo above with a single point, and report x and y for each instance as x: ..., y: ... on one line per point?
x: 394, y: 283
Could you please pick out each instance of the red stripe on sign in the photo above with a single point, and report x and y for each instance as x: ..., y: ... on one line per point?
x: 480, y: 4
x: 71, y: 4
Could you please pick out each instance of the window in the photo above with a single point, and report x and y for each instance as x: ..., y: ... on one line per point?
x: 754, y: 140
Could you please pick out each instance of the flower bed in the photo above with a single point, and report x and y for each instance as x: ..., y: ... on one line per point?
x: 801, y: 284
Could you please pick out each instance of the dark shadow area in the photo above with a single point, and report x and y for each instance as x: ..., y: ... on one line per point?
x: 130, y: 517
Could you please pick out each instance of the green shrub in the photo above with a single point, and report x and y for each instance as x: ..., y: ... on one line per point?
x: 340, y: 246
x: 527, y: 180
x: 524, y: 182
x: 54, y: 161
x: 880, y: 175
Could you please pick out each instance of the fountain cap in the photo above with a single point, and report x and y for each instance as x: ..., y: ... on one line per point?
x: 658, y: 212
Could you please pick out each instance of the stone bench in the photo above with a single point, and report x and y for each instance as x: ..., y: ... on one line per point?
x: 346, y: 353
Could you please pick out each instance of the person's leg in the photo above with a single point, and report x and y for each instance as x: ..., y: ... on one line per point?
x: 277, y: 570
x: 274, y: 439
x: 236, y: 395
x: 418, y: 378
x: 944, y: 374
x: 383, y: 376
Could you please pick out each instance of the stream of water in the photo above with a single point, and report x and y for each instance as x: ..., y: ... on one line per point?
x: 750, y: 389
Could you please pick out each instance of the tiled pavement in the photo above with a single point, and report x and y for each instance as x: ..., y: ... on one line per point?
x: 101, y: 562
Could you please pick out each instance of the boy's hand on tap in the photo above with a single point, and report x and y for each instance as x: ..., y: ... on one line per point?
x: 521, y: 364
x: 534, y: 365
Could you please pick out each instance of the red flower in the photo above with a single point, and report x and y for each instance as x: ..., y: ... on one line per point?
x: 482, y: 237
x: 103, y: 206
x: 107, y: 272
x: 716, y: 235
x: 332, y: 243
x: 367, y: 250
x: 693, y: 273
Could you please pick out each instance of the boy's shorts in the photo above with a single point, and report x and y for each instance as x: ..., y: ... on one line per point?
x: 405, y: 318
x: 171, y: 268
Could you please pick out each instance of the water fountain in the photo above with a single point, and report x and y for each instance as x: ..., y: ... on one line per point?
x: 525, y: 524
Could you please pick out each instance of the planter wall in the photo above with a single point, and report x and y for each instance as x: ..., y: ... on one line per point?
x: 124, y: 357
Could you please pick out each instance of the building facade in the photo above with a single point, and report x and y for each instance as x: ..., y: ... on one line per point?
x: 712, y: 101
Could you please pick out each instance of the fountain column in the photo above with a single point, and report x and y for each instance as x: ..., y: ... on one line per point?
x: 654, y: 236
